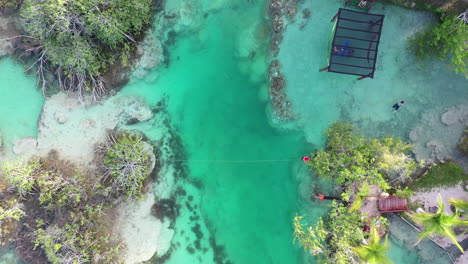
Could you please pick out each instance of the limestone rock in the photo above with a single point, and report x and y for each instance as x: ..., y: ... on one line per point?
x: 61, y: 118
x: 415, y: 133
x: 25, y: 146
x: 88, y: 123
x: 137, y: 109
x: 439, y: 151
x: 148, y: 148
x: 152, y: 53
x: 7, y: 30
x: 454, y: 115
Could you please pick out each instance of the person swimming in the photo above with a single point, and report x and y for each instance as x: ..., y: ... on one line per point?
x: 343, y: 50
x: 398, y: 105
x: 362, y: 4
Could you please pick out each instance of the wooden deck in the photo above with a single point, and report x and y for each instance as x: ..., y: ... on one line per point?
x: 392, y: 204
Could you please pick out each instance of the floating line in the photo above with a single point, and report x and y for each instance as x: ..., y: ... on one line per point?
x: 231, y: 161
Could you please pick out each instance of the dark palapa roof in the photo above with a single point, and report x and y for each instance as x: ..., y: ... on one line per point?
x: 392, y: 204
x: 358, y: 34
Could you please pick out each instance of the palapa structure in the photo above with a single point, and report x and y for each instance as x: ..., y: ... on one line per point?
x: 355, y: 43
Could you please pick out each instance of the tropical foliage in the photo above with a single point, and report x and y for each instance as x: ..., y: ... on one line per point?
x: 127, y: 162
x: 374, y: 252
x: 80, y: 38
x: 360, y: 196
x: 459, y: 204
x: 20, y: 174
x: 66, y: 217
x: 334, y: 240
x: 447, y: 39
x: 441, y: 174
x: 10, y: 213
x: 349, y: 157
x: 439, y: 223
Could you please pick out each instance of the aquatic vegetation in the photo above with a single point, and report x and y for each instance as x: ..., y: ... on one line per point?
x: 446, y: 39
x: 439, y: 223
x: 127, y: 162
x: 374, y: 252
x: 82, y: 38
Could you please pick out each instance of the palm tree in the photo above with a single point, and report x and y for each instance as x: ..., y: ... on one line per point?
x: 439, y: 223
x: 374, y: 252
x: 459, y: 204
x: 360, y: 196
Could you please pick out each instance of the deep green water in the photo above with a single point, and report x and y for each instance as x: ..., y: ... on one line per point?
x: 217, y: 108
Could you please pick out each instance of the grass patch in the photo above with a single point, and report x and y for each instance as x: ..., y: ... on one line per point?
x: 442, y: 175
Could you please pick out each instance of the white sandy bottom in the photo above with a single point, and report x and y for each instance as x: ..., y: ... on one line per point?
x: 143, y: 233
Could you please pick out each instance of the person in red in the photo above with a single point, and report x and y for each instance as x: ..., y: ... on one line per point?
x: 319, y: 196
x: 305, y: 159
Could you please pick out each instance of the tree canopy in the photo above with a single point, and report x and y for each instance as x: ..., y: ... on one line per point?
x: 447, y: 39
x: 350, y: 157
x: 80, y: 38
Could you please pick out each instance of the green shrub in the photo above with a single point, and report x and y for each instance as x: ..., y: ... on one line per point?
x: 350, y: 157
x: 20, y: 174
x: 56, y: 190
x: 463, y: 144
x: 127, y: 162
x: 10, y: 213
x: 447, y: 39
x: 333, y: 240
x: 441, y: 175
x: 82, y: 37
x: 75, y: 242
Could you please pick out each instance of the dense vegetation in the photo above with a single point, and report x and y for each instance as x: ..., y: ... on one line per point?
x: 357, y: 165
x: 334, y: 240
x: 446, y: 39
x: 441, y: 223
x: 126, y: 161
x: 56, y: 214
x: 354, y: 163
x: 451, y: 7
x: 350, y: 157
x: 81, y: 38
x: 442, y: 174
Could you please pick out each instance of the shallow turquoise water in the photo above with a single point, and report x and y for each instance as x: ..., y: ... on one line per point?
x: 20, y: 103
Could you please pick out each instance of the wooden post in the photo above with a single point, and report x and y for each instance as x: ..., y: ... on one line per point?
x: 333, y: 19
x: 363, y: 77
x: 324, y: 69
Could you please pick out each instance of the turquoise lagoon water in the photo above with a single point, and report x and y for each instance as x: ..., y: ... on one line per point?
x: 20, y: 103
x: 243, y: 209
x: 216, y: 96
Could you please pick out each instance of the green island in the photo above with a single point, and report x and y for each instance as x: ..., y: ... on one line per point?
x: 368, y: 173
x: 171, y: 132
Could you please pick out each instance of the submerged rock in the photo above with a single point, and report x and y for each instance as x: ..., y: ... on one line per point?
x: 454, y: 115
x: 60, y: 117
x: 7, y: 31
x: 143, y: 234
x: 439, y: 151
x: 25, y: 146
